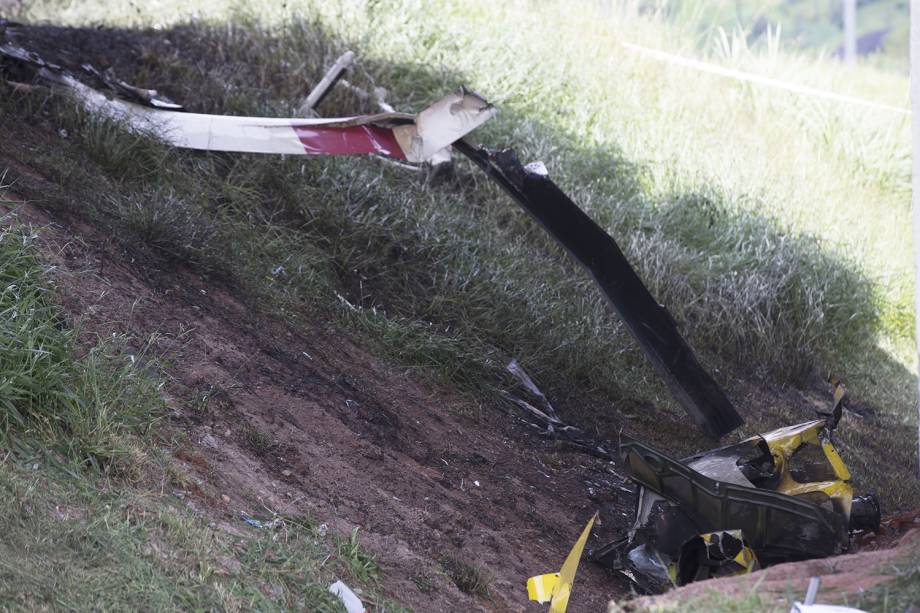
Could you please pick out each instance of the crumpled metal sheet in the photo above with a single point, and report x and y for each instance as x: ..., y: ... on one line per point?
x: 650, y: 323
x: 785, y: 527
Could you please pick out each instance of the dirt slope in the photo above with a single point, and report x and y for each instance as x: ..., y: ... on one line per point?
x: 304, y: 421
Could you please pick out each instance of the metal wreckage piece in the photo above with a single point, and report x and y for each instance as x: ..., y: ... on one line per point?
x: 776, y: 497
x: 650, y: 323
x: 780, y: 496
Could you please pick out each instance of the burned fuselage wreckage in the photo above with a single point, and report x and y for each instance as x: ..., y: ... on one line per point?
x: 776, y: 497
x: 780, y: 496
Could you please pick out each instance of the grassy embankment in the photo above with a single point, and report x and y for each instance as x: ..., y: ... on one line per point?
x: 775, y: 228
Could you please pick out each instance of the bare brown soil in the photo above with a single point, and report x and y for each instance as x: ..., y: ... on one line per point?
x: 305, y: 421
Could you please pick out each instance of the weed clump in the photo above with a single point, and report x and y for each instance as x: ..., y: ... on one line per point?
x: 261, y: 443
x: 360, y: 563
x: 469, y: 578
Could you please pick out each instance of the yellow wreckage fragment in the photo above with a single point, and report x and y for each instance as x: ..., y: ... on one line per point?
x: 810, y: 466
x: 557, y: 587
x: 541, y: 587
x: 747, y: 559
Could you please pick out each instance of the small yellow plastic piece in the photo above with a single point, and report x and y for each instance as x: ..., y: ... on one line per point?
x: 541, y: 587
x: 557, y: 587
x: 747, y: 560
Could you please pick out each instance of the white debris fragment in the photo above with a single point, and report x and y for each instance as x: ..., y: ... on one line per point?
x: 209, y: 441
x: 307, y: 108
x: 351, y: 601
x: 537, y: 168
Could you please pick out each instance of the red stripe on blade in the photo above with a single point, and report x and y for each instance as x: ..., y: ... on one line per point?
x: 351, y: 140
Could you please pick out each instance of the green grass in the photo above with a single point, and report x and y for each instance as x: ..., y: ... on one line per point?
x: 91, y: 544
x: 361, y: 563
x: 752, y: 602
x: 87, y: 410
x: 900, y: 593
x: 469, y: 578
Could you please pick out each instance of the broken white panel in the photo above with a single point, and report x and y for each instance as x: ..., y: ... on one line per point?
x: 444, y: 122
x: 721, y: 468
x: 194, y: 130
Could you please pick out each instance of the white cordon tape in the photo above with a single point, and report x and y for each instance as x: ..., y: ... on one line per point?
x: 739, y: 75
x: 400, y: 136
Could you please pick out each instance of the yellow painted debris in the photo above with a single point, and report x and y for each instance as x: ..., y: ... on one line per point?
x: 541, y: 587
x: 557, y: 587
